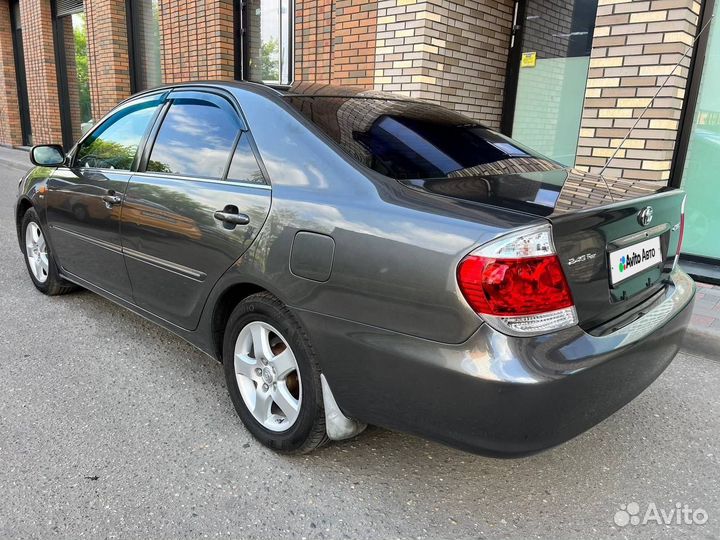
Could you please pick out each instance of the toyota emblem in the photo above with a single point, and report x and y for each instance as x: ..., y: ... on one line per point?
x: 645, y: 216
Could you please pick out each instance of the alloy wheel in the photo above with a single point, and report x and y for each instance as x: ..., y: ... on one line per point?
x: 36, y: 249
x: 268, y: 376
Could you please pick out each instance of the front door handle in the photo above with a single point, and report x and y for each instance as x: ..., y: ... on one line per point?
x: 232, y: 218
x: 112, y: 199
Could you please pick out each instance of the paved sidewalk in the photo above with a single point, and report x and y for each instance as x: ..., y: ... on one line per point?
x: 703, y: 337
x: 14, y: 158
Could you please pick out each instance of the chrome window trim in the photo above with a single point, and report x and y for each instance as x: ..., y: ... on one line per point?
x: 166, y: 176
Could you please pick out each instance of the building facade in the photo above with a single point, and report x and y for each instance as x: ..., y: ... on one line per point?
x: 567, y: 77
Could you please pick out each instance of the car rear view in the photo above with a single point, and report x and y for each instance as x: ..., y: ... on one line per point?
x: 578, y: 309
x: 583, y: 313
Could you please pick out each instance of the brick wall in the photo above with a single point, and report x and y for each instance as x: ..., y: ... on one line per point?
x: 548, y: 33
x: 353, y: 42
x: 40, y: 71
x: 10, y: 130
x: 335, y: 41
x: 635, y: 47
x: 452, y: 52
x: 312, y: 40
x: 107, y: 54
x: 197, y: 40
x: 446, y: 51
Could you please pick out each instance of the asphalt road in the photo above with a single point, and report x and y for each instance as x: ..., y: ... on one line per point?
x: 112, y: 427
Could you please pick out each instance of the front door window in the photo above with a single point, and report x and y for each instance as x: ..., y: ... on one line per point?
x: 114, y: 144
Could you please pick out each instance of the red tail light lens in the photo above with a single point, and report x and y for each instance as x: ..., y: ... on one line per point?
x: 514, y: 287
x: 517, y: 285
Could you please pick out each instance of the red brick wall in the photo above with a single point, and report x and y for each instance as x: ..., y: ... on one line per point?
x: 335, y: 41
x: 107, y: 54
x: 10, y: 131
x: 197, y: 40
x: 450, y: 52
x: 41, y: 71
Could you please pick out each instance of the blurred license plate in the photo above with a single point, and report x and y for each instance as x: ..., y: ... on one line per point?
x: 632, y: 260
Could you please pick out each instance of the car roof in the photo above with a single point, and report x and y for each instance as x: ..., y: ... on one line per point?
x: 297, y: 90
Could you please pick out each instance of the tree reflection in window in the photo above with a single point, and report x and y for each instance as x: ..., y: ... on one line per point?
x: 115, y: 142
x: 195, y: 139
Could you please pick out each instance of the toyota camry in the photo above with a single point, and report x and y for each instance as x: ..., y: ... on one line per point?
x: 355, y: 257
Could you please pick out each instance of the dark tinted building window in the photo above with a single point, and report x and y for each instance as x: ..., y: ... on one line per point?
x: 195, y: 139
x: 114, y: 143
x: 244, y: 167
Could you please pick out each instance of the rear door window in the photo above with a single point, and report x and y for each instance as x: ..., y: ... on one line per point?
x: 195, y: 139
x: 244, y: 166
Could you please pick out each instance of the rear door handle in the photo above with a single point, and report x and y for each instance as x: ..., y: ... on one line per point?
x: 112, y: 199
x: 231, y: 218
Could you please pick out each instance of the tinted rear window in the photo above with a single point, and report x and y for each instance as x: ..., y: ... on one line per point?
x: 407, y: 139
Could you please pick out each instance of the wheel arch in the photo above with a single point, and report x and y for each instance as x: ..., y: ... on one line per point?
x: 223, y: 307
x: 23, y: 206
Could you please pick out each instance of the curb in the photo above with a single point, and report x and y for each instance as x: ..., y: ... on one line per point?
x: 701, y: 343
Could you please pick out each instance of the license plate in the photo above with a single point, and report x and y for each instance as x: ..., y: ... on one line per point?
x: 632, y: 260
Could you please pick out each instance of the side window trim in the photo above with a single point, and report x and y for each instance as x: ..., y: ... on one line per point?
x: 211, y: 97
x: 220, y: 99
x: 162, y: 96
x: 232, y: 156
x: 258, y: 160
x: 149, y: 142
x: 159, y: 112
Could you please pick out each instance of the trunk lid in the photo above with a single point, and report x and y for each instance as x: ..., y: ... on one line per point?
x: 592, y: 229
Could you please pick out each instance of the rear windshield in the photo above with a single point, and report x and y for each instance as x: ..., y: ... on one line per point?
x: 407, y: 139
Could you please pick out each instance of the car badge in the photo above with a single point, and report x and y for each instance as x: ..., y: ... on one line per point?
x: 645, y: 216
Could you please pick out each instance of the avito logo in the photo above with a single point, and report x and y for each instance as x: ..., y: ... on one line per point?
x: 628, y: 261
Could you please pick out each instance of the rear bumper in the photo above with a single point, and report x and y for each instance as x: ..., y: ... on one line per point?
x: 495, y: 394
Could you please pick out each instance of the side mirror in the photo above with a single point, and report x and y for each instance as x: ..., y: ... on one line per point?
x: 47, y: 155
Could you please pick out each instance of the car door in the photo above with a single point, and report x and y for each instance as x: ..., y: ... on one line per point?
x: 193, y: 208
x: 84, y: 200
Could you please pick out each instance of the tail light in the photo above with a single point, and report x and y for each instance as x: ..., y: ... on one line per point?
x: 517, y: 284
x: 682, y: 232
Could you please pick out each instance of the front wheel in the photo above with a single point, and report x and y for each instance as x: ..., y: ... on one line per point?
x: 38, y: 257
x: 273, y: 376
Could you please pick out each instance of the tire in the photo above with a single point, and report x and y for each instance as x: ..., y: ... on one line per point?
x: 41, y: 265
x: 254, y: 316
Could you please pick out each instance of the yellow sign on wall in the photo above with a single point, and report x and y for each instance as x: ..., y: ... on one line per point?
x: 529, y: 59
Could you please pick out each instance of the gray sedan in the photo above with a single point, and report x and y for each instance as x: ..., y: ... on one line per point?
x: 357, y: 257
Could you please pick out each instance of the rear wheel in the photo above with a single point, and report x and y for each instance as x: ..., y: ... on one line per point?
x: 38, y: 257
x: 273, y: 377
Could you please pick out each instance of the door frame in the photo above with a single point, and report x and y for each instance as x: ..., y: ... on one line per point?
x: 687, y: 118
x: 241, y: 50
x: 701, y: 268
x: 512, y: 69
x: 66, y: 127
